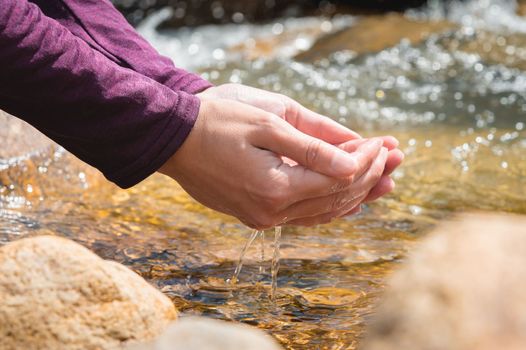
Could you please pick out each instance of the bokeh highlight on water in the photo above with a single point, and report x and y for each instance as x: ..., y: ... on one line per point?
x: 456, y: 101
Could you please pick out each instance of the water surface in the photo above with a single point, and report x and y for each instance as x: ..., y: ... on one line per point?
x: 456, y: 101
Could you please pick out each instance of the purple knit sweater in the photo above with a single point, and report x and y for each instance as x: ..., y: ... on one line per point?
x: 77, y: 71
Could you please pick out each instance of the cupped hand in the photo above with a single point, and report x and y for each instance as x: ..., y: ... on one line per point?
x: 315, y: 125
x: 301, y: 118
x: 233, y: 162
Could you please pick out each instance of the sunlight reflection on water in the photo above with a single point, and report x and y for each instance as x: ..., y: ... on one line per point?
x: 456, y: 101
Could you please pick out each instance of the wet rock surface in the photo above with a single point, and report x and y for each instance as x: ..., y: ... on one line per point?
x: 462, y: 289
x: 30, y: 165
x: 199, y: 12
x: 199, y: 333
x: 20, y: 136
x: 521, y: 10
x: 56, y: 294
x: 374, y: 33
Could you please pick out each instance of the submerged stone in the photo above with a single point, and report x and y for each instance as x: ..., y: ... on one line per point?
x: 56, y: 294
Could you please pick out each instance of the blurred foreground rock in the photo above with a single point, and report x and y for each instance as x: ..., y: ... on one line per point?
x: 198, y: 333
x: 56, y: 294
x: 464, y: 288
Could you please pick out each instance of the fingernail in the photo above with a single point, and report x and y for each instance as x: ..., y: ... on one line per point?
x: 343, y: 165
x: 382, y: 155
x: 372, y: 144
x: 395, y: 141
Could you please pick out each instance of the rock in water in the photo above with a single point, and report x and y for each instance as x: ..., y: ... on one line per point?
x: 373, y: 34
x: 464, y: 288
x: 198, y: 333
x: 521, y: 8
x: 56, y: 294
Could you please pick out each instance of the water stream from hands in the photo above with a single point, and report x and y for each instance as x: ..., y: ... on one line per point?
x: 274, y: 263
x: 253, y: 235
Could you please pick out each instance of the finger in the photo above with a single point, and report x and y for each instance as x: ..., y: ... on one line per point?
x: 317, y: 125
x: 394, y: 159
x: 350, y: 146
x: 307, y: 184
x: 354, y: 211
x: 313, y: 153
x: 301, y: 118
x: 324, y: 218
x: 309, y: 221
x: 383, y: 187
x: 342, y: 201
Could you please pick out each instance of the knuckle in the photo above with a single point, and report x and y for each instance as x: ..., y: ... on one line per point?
x: 341, y: 185
x: 280, y: 107
x: 276, y: 196
x: 269, y: 123
x: 272, y: 194
x: 377, y: 173
x: 268, y: 119
x: 312, y: 153
x: 276, y: 192
x: 336, y: 202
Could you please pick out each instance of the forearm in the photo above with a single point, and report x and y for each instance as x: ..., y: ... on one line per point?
x: 124, y: 123
x: 99, y: 24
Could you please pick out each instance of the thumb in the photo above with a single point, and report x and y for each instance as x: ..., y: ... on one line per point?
x: 311, y: 152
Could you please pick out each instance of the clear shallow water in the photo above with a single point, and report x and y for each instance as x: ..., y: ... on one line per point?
x: 456, y: 101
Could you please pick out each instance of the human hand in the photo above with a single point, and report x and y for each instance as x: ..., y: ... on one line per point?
x: 232, y: 162
x: 301, y: 118
x: 312, y: 124
x: 384, y: 185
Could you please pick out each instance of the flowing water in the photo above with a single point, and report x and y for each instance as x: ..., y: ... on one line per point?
x: 456, y: 101
x: 275, y: 263
x: 247, y: 245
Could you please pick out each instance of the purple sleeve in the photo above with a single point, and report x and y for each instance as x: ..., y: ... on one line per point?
x: 122, y: 122
x: 98, y: 23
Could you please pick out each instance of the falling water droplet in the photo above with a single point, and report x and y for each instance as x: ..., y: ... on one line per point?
x: 262, y: 256
x: 275, y: 262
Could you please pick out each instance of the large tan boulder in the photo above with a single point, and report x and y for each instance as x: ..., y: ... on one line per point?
x: 463, y: 289
x: 199, y: 333
x: 56, y: 294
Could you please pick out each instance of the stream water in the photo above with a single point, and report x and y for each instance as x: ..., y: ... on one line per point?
x: 457, y: 102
